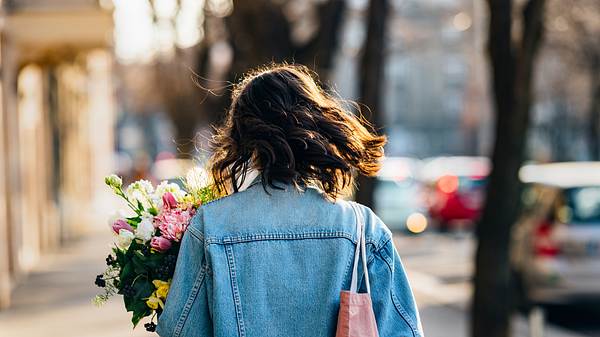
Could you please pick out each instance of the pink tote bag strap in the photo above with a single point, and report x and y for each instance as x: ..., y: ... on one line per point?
x: 360, y: 251
x: 356, y: 317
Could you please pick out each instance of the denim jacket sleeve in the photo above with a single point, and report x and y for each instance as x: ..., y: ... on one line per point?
x: 186, y: 312
x: 393, y: 301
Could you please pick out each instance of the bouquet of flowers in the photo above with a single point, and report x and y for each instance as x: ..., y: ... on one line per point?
x: 142, y: 261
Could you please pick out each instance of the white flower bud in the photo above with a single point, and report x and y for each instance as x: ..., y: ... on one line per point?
x: 124, y: 239
x: 145, y: 229
x: 114, y: 181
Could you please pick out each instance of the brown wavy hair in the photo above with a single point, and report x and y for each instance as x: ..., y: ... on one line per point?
x: 282, y: 123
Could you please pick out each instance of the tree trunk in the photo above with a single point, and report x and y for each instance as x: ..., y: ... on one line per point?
x: 185, y: 137
x: 512, y: 69
x: 257, y: 41
x: 371, y: 81
x: 320, y: 51
x: 594, y: 112
x: 254, y: 41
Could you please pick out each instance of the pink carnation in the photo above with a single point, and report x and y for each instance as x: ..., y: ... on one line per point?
x: 173, y: 222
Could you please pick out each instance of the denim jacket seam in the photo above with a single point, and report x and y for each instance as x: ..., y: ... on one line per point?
x: 198, y: 282
x: 277, y: 236
x: 381, y: 243
x: 196, y: 233
x: 349, y: 264
x: 404, y: 314
x: 234, y: 288
x: 396, y: 302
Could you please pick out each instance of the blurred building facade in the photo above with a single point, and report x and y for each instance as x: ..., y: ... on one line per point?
x: 57, y: 116
x: 434, y: 79
x: 435, y: 99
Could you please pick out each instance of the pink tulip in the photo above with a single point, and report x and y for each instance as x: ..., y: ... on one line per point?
x: 169, y: 200
x: 160, y: 244
x: 121, y: 224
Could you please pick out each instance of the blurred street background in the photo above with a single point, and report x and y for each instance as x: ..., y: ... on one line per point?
x: 491, y: 183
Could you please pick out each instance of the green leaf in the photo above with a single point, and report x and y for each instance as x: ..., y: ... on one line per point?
x: 153, y: 211
x: 143, y: 288
x: 127, y: 273
x: 128, y: 301
x: 154, y: 260
x: 139, y: 255
x: 119, y: 253
x: 140, y: 310
x: 139, y: 265
x: 134, y: 220
x: 134, y: 247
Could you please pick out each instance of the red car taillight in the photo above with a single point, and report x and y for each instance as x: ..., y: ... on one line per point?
x: 447, y: 184
x: 543, y: 243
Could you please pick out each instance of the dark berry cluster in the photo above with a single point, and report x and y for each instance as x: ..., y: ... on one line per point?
x: 170, y: 261
x: 110, y: 260
x: 100, y: 281
x: 162, y: 272
x: 128, y: 290
x: 151, y: 327
x: 167, y: 268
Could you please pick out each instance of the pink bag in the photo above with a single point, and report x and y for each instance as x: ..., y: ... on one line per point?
x: 356, y: 317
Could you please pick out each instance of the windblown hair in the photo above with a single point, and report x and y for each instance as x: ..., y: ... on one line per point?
x: 283, y: 124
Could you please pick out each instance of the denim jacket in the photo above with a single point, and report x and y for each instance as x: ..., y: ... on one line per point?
x: 258, y: 264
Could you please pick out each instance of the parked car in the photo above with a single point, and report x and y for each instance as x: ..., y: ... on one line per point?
x: 556, y: 241
x: 398, y: 195
x: 455, y: 189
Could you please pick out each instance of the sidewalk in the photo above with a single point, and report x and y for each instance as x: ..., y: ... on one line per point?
x: 55, y: 300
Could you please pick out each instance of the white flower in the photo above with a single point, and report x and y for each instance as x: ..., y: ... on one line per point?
x: 124, y: 239
x: 136, y: 196
x: 143, y: 186
x: 141, y: 191
x: 196, y: 179
x: 164, y: 187
x: 145, y: 229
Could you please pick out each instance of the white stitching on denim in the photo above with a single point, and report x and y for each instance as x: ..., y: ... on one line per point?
x: 196, y: 233
x: 235, y: 290
x: 348, y: 266
x: 198, y: 282
x: 281, y: 236
x: 404, y: 314
x: 395, y: 300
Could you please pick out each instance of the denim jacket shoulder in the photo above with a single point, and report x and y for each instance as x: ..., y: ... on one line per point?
x: 243, y: 253
x: 226, y: 220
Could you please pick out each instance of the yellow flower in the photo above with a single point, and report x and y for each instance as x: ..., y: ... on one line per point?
x: 153, y: 302
x: 188, y: 201
x: 162, y: 288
